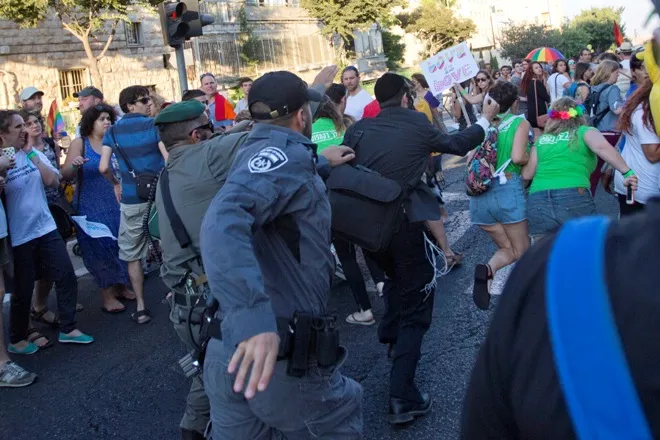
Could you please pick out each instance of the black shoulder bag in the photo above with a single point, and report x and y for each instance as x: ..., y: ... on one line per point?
x: 366, y: 206
x: 144, y: 182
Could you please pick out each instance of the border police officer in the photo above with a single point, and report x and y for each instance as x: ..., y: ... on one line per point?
x: 196, y: 169
x: 266, y: 250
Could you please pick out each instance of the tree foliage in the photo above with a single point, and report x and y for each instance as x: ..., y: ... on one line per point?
x: 394, y: 49
x: 87, y: 20
x: 573, y: 40
x: 437, y: 26
x: 341, y: 18
x: 249, y: 43
x: 598, y: 23
x: 519, y: 40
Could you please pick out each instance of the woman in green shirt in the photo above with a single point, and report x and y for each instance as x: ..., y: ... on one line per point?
x: 560, y: 164
x: 329, y: 127
x: 500, y: 211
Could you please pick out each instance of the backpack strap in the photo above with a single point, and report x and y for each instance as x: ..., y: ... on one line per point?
x: 591, y: 365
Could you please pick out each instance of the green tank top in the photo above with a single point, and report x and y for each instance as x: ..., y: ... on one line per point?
x: 507, y: 133
x: 563, y: 164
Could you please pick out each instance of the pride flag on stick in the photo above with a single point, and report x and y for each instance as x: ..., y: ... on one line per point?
x: 55, y: 121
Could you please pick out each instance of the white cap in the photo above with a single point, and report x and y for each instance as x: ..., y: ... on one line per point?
x: 626, y: 47
x: 29, y: 92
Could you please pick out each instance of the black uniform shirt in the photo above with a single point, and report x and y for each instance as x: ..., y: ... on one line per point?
x: 514, y: 391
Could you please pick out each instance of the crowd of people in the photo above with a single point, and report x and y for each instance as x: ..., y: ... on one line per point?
x: 556, y: 135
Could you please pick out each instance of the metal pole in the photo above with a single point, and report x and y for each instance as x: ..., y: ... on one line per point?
x: 181, y: 68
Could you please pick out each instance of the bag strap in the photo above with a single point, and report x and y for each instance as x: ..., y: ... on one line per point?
x: 178, y: 228
x: 123, y: 155
x: 591, y: 364
x: 536, y: 99
x: 79, y: 176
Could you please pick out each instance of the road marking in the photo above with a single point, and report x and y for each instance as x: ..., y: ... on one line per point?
x: 458, y: 225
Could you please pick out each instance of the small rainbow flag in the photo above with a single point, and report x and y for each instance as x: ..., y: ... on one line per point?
x: 55, y: 120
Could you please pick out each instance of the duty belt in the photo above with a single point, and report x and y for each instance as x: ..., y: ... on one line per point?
x: 303, y: 339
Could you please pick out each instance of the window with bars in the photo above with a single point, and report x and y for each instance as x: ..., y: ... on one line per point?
x: 133, y: 33
x: 71, y: 81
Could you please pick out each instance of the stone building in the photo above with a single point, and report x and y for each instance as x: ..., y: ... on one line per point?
x: 53, y: 60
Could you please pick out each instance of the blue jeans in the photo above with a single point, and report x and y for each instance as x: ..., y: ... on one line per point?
x: 323, y: 404
x: 548, y: 210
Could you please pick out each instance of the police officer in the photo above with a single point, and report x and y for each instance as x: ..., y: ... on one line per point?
x: 196, y: 169
x: 397, y: 144
x: 265, y: 239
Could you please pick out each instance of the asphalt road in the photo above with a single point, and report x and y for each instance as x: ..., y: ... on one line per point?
x: 127, y: 385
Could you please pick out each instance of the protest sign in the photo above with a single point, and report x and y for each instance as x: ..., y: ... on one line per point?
x: 448, y: 67
x: 93, y: 229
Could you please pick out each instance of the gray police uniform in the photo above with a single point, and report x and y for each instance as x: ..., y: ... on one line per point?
x: 196, y: 173
x: 266, y: 251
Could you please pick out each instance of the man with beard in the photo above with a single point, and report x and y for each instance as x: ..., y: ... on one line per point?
x: 266, y: 251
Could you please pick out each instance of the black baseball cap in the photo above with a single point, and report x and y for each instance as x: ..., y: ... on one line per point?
x: 283, y: 92
x: 89, y: 91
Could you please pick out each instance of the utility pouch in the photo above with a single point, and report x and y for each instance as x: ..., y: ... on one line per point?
x: 302, y: 336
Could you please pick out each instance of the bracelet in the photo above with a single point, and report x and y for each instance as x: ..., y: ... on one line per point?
x: 463, y: 92
x: 630, y: 173
x: 31, y: 154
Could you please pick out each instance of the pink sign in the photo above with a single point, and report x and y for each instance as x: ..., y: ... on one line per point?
x: 451, y: 66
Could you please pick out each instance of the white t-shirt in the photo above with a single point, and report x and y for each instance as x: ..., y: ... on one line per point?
x: 355, y: 104
x: 648, y: 173
x: 240, y: 106
x: 3, y: 222
x: 623, y: 81
x: 556, y: 83
x: 27, y: 209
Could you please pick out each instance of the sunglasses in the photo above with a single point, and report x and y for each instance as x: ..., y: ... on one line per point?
x: 207, y: 126
x: 482, y: 79
x: 145, y: 100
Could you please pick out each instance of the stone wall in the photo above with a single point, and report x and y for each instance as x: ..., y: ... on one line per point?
x: 34, y: 57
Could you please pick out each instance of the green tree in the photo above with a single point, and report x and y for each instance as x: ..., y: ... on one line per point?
x: 573, y: 39
x: 341, y: 18
x: 90, y: 21
x: 249, y: 43
x: 519, y: 40
x: 394, y: 49
x: 437, y: 26
x: 598, y: 23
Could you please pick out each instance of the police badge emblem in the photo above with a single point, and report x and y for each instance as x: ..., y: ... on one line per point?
x: 268, y: 159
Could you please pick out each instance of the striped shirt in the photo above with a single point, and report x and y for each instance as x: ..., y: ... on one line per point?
x: 138, y: 139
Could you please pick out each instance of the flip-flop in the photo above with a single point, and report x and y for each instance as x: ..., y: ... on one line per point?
x: 480, y: 293
x: 351, y: 320
x: 112, y: 312
x: 33, y: 335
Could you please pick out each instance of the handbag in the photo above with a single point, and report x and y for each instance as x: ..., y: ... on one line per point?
x: 144, y: 182
x: 541, y: 120
x: 62, y: 211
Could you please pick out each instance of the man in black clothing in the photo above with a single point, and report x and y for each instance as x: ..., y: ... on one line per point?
x: 398, y: 144
x: 514, y: 392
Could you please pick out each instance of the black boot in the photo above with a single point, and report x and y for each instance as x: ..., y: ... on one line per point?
x: 404, y: 411
x: 191, y: 435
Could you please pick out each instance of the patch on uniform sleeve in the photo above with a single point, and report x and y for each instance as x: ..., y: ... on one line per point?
x: 268, y: 159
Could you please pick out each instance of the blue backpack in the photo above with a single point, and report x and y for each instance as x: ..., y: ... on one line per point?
x: 595, y: 379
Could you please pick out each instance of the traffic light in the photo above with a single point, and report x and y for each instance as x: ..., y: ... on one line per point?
x: 181, y: 20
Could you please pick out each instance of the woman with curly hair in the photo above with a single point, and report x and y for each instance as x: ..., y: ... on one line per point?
x: 642, y: 151
x: 560, y: 164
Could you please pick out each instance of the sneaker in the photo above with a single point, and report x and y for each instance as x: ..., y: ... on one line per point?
x: 82, y: 339
x: 13, y: 376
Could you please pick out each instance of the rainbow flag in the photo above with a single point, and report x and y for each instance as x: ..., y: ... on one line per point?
x: 55, y: 120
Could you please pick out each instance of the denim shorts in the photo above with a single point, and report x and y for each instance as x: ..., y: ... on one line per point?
x: 548, y: 210
x: 503, y: 204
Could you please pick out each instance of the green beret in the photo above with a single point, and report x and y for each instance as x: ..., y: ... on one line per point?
x: 179, y: 112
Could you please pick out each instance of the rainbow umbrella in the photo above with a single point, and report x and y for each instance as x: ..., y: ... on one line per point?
x: 545, y: 55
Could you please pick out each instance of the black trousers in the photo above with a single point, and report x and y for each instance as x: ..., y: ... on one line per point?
x: 46, y: 255
x: 408, y: 305
x: 353, y: 273
x: 626, y: 209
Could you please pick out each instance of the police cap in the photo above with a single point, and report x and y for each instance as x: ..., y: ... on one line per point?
x: 179, y: 112
x: 282, y: 92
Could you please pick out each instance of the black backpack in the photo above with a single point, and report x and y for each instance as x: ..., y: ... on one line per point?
x: 591, y: 106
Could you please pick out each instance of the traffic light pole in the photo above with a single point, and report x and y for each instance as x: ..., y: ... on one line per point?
x: 181, y: 68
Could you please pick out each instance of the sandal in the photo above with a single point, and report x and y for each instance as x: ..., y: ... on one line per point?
x: 351, y: 319
x: 141, y: 316
x: 480, y: 293
x: 33, y: 336
x: 38, y: 316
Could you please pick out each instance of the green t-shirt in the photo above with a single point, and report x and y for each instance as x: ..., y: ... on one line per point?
x: 562, y: 163
x: 507, y: 133
x: 324, y: 134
